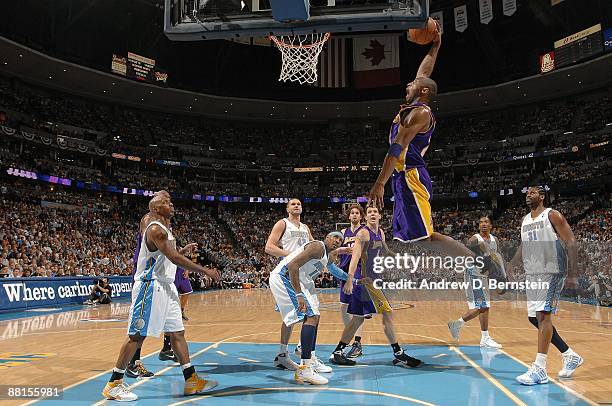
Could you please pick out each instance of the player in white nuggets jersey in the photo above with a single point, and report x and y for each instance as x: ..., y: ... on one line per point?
x: 292, y: 285
x: 287, y: 235
x: 155, y: 302
x: 484, y: 243
x: 548, y: 253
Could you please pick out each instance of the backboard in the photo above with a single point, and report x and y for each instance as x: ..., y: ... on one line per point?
x: 197, y: 20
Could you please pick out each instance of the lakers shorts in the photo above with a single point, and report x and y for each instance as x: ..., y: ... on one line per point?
x: 544, y: 298
x: 286, y: 299
x: 412, y: 191
x: 155, y: 309
x: 366, y: 300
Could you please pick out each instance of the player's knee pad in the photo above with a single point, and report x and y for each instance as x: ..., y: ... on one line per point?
x: 534, y: 321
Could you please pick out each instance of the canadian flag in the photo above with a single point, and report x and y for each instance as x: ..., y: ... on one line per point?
x: 376, y: 61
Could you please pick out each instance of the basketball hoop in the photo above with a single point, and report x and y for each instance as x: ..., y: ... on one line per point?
x: 300, y: 55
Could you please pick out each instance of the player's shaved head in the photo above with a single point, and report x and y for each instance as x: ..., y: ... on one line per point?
x: 164, y: 193
x: 430, y: 84
x: 157, y: 201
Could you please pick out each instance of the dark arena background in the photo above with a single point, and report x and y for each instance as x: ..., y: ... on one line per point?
x: 106, y: 104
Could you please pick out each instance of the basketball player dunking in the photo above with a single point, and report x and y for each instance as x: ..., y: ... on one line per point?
x: 548, y: 254
x: 410, y: 137
x: 287, y: 235
x: 478, y: 301
x: 356, y: 216
x: 155, y: 302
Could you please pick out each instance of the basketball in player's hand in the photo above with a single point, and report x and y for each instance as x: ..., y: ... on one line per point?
x: 424, y: 36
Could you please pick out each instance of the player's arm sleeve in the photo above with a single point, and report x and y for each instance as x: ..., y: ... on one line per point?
x: 337, y: 272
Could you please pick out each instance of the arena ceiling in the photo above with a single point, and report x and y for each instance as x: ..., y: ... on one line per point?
x: 89, y: 32
x: 35, y: 67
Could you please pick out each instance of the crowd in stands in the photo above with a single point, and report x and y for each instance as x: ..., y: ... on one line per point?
x: 94, y: 234
x: 78, y: 239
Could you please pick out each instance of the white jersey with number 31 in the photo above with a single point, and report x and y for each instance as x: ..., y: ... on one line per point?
x: 541, y: 248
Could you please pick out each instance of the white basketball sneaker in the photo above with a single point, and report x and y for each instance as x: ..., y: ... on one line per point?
x: 284, y: 361
x: 118, y: 391
x: 298, y: 350
x: 305, y: 374
x: 454, y: 327
x: 320, y: 367
x: 488, y: 342
x: 571, y: 362
x: 535, y: 375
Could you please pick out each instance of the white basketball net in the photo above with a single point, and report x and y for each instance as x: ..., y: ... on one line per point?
x: 300, y: 55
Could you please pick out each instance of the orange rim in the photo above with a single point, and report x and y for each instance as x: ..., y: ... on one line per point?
x: 282, y: 44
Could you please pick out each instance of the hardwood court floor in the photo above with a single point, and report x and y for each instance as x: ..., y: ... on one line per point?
x: 70, y: 346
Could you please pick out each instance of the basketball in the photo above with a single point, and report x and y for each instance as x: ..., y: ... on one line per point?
x: 424, y: 36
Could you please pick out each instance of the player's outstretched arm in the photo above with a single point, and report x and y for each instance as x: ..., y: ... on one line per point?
x: 272, y: 244
x: 413, y: 123
x: 567, y: 236
x: 429, y: 62
x: 159, y: 238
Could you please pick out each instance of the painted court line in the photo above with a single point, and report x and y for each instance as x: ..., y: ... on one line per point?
x: 302, y: 389
x: 247, y: 359
x: 108, y: 371
x: 489, y: 378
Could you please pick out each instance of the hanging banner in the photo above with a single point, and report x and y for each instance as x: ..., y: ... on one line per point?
x: 486, y: 11
x: 509, y: 7
x: 461, y: 22
x: 439, y: 17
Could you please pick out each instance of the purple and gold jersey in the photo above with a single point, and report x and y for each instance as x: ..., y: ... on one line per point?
x: 349, y: 241
x: 373, y: 250
x: 412, y: 155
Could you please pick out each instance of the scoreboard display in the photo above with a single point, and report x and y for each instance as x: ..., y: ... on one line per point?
x: 140, y: 68
x: 579, y: 46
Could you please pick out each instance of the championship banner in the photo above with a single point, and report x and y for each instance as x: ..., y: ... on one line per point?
x: 23, y: 293
x: 439, y: 17
x: 486, y: 11
x: 509, y: 7
x: 461, y: 22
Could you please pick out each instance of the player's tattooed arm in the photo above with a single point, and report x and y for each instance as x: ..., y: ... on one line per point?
x: 413, y: 122
x: 158, y: 238
x: 273, y: 242
x: 567, y: 236
x: 429, y: 61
